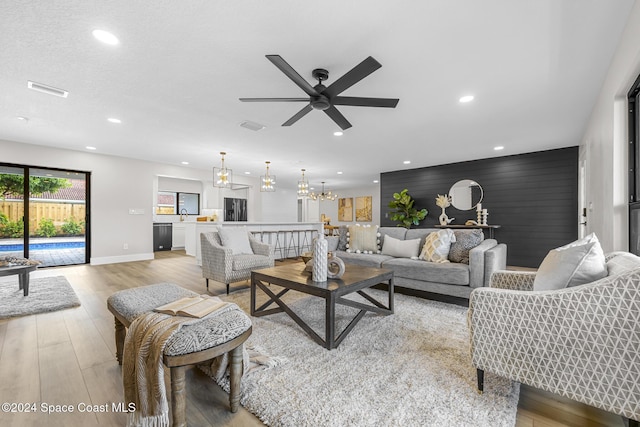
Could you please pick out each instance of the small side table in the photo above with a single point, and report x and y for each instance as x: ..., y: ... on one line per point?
x: 23, y: 275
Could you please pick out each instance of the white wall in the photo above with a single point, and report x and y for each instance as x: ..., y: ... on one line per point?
x: 119, y: 184
x: 330, y: 209
x: 605, y: 144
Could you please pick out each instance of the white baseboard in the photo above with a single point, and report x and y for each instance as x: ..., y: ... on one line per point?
x: 121, y: 258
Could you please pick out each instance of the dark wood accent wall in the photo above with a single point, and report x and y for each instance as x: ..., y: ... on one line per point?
x: 533, y: 196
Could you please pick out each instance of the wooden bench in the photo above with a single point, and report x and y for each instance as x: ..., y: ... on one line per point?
x: 128, y: 304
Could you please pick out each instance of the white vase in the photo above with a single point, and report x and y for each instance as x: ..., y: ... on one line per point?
x: 320, y: 249
x: 444, y: 219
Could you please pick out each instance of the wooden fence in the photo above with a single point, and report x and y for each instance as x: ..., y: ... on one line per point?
x: 59, y: 213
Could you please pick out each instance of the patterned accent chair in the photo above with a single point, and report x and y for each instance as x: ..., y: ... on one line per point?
x: 581, y: 342
x: 220, y: 264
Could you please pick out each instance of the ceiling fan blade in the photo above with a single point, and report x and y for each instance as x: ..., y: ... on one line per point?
x: 337, y: 117
x: 300, y: 114
x: 274, y: 99
x: 292, y: 74
x: 352, y: 77
x: 365, y: 102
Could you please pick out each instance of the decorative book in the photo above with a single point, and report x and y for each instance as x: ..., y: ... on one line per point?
x: 198, y: 306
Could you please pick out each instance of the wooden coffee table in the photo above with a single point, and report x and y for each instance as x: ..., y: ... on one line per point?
x: 291, y: 277
x: 23, y: 275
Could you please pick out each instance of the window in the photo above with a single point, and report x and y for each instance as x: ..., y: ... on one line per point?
x: 175, y: 203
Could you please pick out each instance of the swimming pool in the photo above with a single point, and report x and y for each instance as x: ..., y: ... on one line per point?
x: 42, y: 246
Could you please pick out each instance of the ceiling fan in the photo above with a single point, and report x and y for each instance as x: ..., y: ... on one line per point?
x: 326, y: 98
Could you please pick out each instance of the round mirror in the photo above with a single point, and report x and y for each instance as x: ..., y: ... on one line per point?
x: 465, y: 194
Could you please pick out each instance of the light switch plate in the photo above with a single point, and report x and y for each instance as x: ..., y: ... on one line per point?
x: 136, y: 211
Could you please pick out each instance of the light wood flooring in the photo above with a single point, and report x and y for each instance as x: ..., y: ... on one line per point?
x: 67, y: 358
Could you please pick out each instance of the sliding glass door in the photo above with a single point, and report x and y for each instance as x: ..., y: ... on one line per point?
x: 11, y: 211
x: 51, y: 224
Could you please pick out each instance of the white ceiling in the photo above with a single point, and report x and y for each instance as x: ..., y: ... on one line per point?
x: 535, y: 68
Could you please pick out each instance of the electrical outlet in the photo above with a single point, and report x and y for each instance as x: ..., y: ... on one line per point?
x: 125, y: 246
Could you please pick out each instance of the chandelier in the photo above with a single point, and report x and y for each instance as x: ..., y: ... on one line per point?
x: 222, y: 176
x: 303, y: 186
x: 323, y: 196
x: 267, y: 181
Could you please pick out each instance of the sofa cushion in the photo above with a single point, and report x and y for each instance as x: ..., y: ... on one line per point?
x: 449, y: 273
x: 363, y: 238
x: 396, y: 232
x: 465, y: 241
x: 367, y: 260
x: 401, y: 248
x: 573, y: 264
x: 250, y: 261
x: 436, y: 246
x: 419, y: 233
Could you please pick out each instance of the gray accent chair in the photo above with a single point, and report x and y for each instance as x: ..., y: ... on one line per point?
x: 580, y: 342
x: 220, y: 264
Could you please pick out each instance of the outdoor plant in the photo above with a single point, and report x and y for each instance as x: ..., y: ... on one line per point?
x: 71, y: 227
x: 10, y: 228
x: 46, y: 228
x: 405, y: 214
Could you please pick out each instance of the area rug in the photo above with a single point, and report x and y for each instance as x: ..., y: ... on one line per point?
x: 45, y: 294
x: 412, y: 368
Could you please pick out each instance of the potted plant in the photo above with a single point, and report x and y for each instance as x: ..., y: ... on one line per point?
x: 405, y: 214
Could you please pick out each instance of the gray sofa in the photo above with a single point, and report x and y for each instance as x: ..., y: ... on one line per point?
x: 450, y: 278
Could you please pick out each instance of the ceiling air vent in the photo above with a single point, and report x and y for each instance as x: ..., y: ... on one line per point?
x: 50, y: 90
x: 252, y: 125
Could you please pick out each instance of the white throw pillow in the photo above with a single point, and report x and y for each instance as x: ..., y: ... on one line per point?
x: 236, y: 238
x: 400, y: 248
x: 436, y: 246
x: 363, y: 238
x: 573, y: 264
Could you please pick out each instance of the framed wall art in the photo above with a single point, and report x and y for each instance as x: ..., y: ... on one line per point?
x: 345, y: 209
x: 364, y: 208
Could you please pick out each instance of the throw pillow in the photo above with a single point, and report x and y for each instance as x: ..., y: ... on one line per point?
x: 332, y: 243
x: 363, y: 238
x: 465, y: 241
x: 574, y: 264
x: 436, y: 246
x: 400, y: 248
x: 236, y: 238
x: 342, y: 237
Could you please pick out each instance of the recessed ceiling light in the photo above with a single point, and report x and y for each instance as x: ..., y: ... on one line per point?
x: 247, y: 173
x: 375, y: 181
x: 114, y: 120
x: 24, y: 119
x: 338, y: 133
x: 466, y: 98
x: 105, y: 37
x: 498, y: 148
x: 339, y: 172
x: 406, y: 162
x: 88, y: 147
x: 185, y: 163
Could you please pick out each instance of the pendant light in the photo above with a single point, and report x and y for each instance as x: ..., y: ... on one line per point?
x: 222, y: 176
x: 323, y: 196
x: 303, y: 186
x: 267, y: 181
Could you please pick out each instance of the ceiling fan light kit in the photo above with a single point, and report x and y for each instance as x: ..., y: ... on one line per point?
x: 323, y: 98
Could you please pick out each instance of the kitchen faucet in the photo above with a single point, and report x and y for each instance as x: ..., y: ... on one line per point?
x: 184, y: 212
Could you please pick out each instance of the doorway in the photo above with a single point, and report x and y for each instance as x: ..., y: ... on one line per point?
x: 51, y: 224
